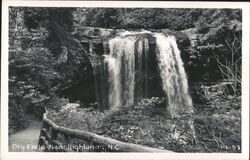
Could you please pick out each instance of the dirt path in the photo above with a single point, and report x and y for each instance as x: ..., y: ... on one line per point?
x: 27, y: 139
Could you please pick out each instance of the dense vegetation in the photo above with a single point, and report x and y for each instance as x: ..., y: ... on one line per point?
x: 42, y: 54
x: 148, y: 18
x: 217, y: 125
x: 175, y: 19
x: 45, y: 59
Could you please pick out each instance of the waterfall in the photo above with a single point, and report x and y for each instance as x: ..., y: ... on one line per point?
x: 114, y: 93
x: 126, y: 69
x: 174, y: 79
x: 123, y: 77
x: 121, y: 71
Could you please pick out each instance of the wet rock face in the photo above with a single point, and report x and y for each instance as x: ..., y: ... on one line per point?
x: 95, y: 32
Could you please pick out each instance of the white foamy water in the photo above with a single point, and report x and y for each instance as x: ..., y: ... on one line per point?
x: 113, y: 67
x: 174, y: 79
x: 121, y: 67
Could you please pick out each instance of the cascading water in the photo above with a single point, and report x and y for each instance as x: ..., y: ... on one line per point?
x: 125, y: 71
x: 121, y: 67
x: 174, y: 80
x: 114, y: 93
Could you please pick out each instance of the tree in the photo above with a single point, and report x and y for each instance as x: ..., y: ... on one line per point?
x: 230, y: 67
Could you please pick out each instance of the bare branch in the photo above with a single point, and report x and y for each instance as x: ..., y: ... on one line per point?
x: 230, y: 68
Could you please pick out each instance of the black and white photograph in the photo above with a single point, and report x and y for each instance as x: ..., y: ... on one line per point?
x: 120, y: 79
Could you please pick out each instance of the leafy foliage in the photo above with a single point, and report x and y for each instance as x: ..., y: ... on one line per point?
x: 216, y: 32
x: 176, y: 19
x: 214, y: 127
x: 35, y: 64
